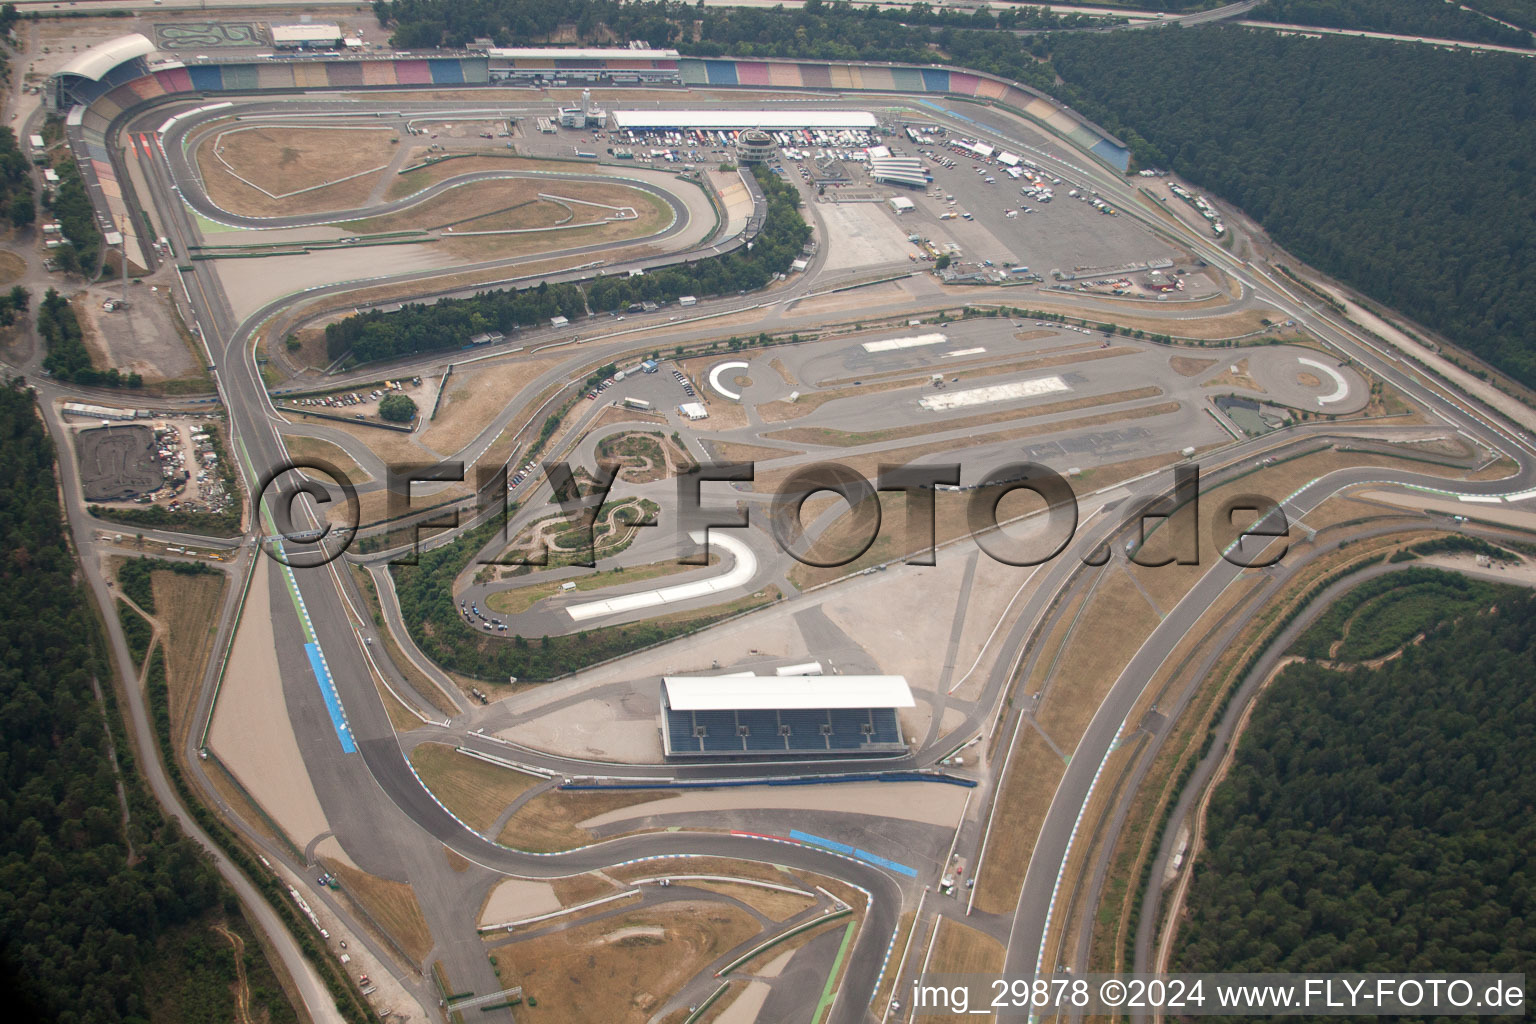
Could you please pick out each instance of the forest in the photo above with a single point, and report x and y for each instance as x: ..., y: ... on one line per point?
x: 815, y: 30
x: 1379, y: 819
x: 1403, y: 171
x: 96, y: 889
x: 450, y: 323
x: 1434, y: 18
x: 16, y: 202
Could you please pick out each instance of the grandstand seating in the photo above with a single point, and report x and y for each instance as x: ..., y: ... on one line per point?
x: 791, y: 731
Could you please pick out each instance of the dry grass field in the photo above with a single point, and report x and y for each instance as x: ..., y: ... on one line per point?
x: 476, y: 791
x: 188, y: 609
x: 277, y: 162
x: 620, y: 969
x: 551, y: 821
x: 392, y: 906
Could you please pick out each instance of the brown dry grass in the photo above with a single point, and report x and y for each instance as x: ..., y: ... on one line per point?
x: 474, y: 395
x: 411, y: 182
x: 1111, y: 628
x: 1212, y: 328
x: 188, y: 610
x: 1187, y: 366
x: 12, y: 267
x: 1235, y: 376
x: 779, y: 368
x: 578, y: 889
x: 551, y: 821
x: 579, y: 975
x: 963, y: 950
x: 462, y: 206
x: 772, y: 904
x: 392, y: 446
x: 1016, y: 818
x: 392, y: 906
x: 301, y: 447
x: 737, y: 451
x: 475, y: 790
x: 457, y: 861
x: 286, y: 159
x: 704, y: 866
x: 851, y: 439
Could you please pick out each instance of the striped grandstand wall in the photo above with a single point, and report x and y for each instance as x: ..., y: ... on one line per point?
x: 344, y: 74
x: 310, y: 76
x: 413, y: 72
x: 446, y: 72
x: 174, y: 80
x: 242, y: 76
x: 378, y: 72
x: 274, y: 76
x: 146, y: 88
x: 207, y: 77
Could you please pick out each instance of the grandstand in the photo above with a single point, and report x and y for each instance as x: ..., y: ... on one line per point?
x: 98, y: 70
x: 748, y: 716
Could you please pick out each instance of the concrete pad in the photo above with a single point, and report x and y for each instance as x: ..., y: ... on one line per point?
x: 861, y: 235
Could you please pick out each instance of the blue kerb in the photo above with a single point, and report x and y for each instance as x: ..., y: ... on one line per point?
x: 844, y: 848
x: 332, y: 699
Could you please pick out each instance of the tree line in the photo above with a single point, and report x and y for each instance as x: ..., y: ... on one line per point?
x: 1434, y: 18
x: 450, y: 323
x: 16, y: 201
x: 94, y: 888
x: 808, y: 30
x: 71, y: 204
x: 1402, y: 170
x: 1379, y: 819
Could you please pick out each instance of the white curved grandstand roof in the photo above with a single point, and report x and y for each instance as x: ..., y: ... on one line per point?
x: 779, y: 693
x: 98, y: 60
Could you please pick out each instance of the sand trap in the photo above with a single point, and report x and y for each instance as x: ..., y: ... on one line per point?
x: 745, y: 1008
x: 519, y: 898
x: 932, y: 803
x: 251, y: 733
x: 635, y: 932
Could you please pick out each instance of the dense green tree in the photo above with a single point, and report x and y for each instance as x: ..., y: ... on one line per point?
x: 1434, y: 18
x: 1380, y: 819
x: 397, y: 408
x: 91, y: 882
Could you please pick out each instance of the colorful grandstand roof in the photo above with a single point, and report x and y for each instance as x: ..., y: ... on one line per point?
x: 780, y: 693
x: 98, y: 60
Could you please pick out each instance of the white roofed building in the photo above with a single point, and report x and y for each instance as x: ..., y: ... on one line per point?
x: 783, y: 716
x: 314, y: 36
